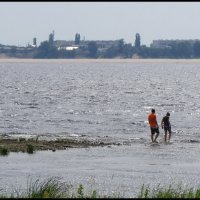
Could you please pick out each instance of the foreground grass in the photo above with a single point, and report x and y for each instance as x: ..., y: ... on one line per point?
x: 54, y: 188
x: 169, y: 192
x: 3, y: 151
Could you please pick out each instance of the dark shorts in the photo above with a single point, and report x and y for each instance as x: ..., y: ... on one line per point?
x: 154, y: 130
x: 167, y: 128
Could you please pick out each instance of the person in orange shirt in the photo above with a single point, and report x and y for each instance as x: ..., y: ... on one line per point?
x: 153, y: 125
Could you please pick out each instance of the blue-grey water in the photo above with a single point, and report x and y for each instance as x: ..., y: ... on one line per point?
x: 103, y: 99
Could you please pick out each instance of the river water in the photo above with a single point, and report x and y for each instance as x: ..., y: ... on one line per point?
x: 102, y: 98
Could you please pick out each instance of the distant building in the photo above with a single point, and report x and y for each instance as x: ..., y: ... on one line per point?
x: 168, y: 43
x: 105, y: 44
x: 68, y: 48
x: 101, y: 44
x: 63, y: 43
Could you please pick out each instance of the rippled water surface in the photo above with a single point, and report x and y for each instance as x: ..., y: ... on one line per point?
x: 101, y: 98
x: 97, y: 98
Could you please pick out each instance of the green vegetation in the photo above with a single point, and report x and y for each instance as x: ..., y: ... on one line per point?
x: 77, y: 39
x: 137, y: 41
x: 54, y: 188
x: 46, y: 50
x: 3, y: 151
x: 92, y: 48
x: 176, y: 191
x: 50, y: 188
x: 30, y: 148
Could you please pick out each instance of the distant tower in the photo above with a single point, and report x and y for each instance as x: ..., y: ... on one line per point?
x: 35, y: 42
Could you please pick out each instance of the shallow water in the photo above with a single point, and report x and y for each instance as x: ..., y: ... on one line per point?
x: 100, y: 99
x: 109, y: 170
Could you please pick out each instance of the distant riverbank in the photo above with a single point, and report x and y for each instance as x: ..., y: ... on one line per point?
x: 99, y: 60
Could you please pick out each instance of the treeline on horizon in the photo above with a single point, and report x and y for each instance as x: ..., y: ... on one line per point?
x: 48, y: 49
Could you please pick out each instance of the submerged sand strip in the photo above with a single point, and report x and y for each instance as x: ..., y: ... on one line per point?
x: 20, y: 144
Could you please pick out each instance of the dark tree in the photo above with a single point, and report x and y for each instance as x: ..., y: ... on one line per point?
x: 111, y: 52
x: 120, y: 45
x: 137, y: 40
x: 35, y: 41
x: 13, y: 50
x: 182, y: 50
x: 92, y: 48
x: 196, y: 49
x: 77, y: 38
x: 127, y: 51
x: 51, y: 38
x: 66, y: 54
x: 45, y: 50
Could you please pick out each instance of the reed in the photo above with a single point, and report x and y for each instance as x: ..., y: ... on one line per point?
x: 50, y: 188
x: 30, y: 149
x: 54, y: 188
x: 4, y: 151
x: 171, y: 191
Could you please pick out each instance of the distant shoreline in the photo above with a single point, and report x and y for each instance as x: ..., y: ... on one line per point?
x: 99, y: 60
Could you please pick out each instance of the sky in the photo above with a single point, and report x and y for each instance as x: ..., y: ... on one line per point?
x: 20, y: 22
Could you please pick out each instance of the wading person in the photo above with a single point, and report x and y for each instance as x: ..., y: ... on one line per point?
x: 165, y: 123
x: 153, y: 126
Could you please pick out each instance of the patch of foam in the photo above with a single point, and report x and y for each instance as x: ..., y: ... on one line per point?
x: 74, y: 135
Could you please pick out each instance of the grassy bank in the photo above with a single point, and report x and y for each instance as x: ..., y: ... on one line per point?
x: 54, y: 188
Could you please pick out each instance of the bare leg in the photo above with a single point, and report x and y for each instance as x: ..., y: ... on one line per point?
x: 169, y: 136
x: 156, y: 137
x: 152, y: 137
x: 165, y: 136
